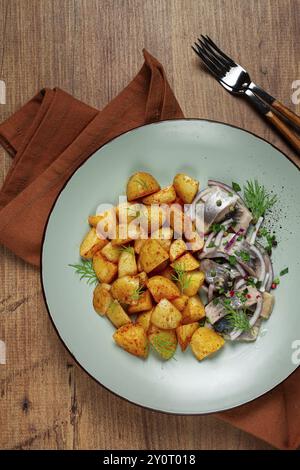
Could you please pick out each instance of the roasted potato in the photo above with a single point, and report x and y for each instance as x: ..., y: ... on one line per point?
x: 162, y: 288
x: 144, y: 319
x: 91, y: 244
x: 127, y: 212
x: 126, y: 233
x: 117, y: 315
x: 160, y: 268
x: 102, y: 298
x: 205, y: 342
x: 133, y: 339
x: 105, y: 270
x: 193, y: 282
x: 168, y: 272
x: 152, y: 255
x: 127, y: 262
x: 194, y: 241
x: 143, y: 303
x: 154, y: 219
x: 193, y: 311
x: 143, y: 278
x: 107, y: 217
x: 164, y: 342
x: 181, y: 302
x: 111, y: 253
x: 184, y: 334
x: 177, y: 249
x: 138, y: 245
x: 164, y: 236
x: 186, y: 262
x: 164, y: 196
x: 186, y: 187
x: 141, y: 184
x: 165, y: 315
x: 125, y: 289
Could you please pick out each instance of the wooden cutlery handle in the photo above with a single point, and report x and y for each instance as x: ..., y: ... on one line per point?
x: 293, y: 117
x: 290, y: 136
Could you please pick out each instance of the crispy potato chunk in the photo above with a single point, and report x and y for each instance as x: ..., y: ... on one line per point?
x: 138, y: 245
x: 126, y: 233
x: 117, y: 315
x: 186, y: 187
x: 143, y: 278
x: 91, y: 244
x: 111, y: 253
x: 105, y: 270
x: 102, y: 298
x: 144, y: 319
x: 164, y: 236
x: 164, y: 342
x: 178, y: 248
x: 205, y: 342
x: 165, y: 315
x: 154, y: 219
x: 164, y: 196
x: 162, y: 288
x: 106, y: 217
x: 127, y: 263
x: 193, y: 282
x: 144, y: 303
x: 193, y: 311
x: 141, y: 184
x: 186, y: 262
x: 125, y: 289
x: 181, y: 302
x: 185, y: 333
x: 152, y: 255
x: 133, y: 339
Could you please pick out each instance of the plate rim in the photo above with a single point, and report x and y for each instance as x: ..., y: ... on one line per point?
x: 157, y: 410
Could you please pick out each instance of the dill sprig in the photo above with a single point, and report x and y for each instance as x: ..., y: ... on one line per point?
x: 127, y: 249
x: 237, y: 318
x: 86, y: 271
x: 257, y: 199
x: 137, y: 293
x: 182, y: 277
x: 164, y: 345
x: 141, y: 182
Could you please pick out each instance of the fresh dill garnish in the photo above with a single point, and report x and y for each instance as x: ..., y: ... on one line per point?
x: 239, y: 238
x: 238, y: 320
x: 236, y: 187
x: 284, y: 271
x: 182, y: 277
x: 164, y: 345
x: 216, y: 301
x: 137, y: 293
x: 127, y: 249
x: 270, y: 239
x: 86, y: 271
x: 257, y: 199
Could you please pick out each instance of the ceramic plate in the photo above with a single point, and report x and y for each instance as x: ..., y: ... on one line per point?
x: 238, y: 373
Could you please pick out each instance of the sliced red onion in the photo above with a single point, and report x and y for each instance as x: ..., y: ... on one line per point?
x: 257, y: 252
x: 257, y: 312
x: 240, y: 269
x: 233, y: 239
x: 269, y: 268
x: 210, y: 293
x: 208, y: 241
x: 263, y: 286
x: 219, y: 238
x: 255, y: 231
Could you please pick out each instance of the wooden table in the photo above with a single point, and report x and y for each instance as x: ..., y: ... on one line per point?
x: 92, y: 49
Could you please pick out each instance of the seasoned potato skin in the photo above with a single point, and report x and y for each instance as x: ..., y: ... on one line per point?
x: 91, y: 244
x: 111, y: 253
x: 124, y: 289
x: 144, y: 319
x: 181, y: 302
x: 105, y: 270
x: 186, y: 262
x: 165, y: 315
x: 117, y: 315
x: 205, y: 342
x: 184, y: 334
x: 164, y: 196
x: 177, y: 249
x: 102, y: 298
x: 127, y: 263
x: 194, y: 282
x: 193, y: 311
x: 152, y: 255
x: 186, y: 187
x: 164, y: 342
x: 143, y: 304
x: 162, y: 288
x: 141, y: 184
x: 132, y: 338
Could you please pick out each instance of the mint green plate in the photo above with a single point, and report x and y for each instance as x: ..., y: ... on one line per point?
x: 238, y: 373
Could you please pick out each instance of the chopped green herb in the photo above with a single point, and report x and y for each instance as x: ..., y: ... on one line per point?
x: 137, y: 293
x: 216, y: 301
x: 232, y: 260
x: 257, y: 199
x: 86, y: 271
x: 236, y: 187
x: 276, y: 281
x: 284, y: 271
x: 244, y: 255
x: 216, y: 228
x: 238, y: 320
x: 222, y: 290
x: 127, y: 249
x: 181, y: 276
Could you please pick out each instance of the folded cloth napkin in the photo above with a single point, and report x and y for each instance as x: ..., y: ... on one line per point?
x: 48, y: 138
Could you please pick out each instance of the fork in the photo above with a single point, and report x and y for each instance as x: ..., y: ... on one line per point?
x: 235, y: 79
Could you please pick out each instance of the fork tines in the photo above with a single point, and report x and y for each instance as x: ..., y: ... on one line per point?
x: 215, y: 60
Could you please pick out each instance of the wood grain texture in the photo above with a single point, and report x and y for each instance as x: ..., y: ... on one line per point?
x: 92, y: 49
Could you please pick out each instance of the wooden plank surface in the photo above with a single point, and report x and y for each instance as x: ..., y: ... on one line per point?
x: 92, y: 49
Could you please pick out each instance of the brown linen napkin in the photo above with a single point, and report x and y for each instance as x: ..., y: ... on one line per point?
x: 48, y: 138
